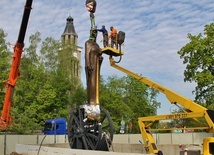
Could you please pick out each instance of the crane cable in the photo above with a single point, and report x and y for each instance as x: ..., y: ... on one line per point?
x: 41, y: 144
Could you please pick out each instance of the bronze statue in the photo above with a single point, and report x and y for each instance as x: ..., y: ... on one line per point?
x: 93, y: 60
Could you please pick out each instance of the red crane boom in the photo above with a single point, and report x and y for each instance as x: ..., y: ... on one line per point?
x: 14, y: 71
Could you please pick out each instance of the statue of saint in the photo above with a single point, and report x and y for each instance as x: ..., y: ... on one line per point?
x: 93, y: 61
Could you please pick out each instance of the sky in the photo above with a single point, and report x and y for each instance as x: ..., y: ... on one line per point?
x: 155, y: 30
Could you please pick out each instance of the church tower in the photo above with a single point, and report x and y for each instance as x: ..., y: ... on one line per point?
x: 70, y: 53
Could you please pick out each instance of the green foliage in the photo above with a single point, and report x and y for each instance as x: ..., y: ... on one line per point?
x: 31, y: 51
x: 49, y: 53
x: 22, y: 124
x: 141, y: 99
x: 42, y: 86
x: 127, y: 98
x: 5, y: 58
x: 78, y: 97
x: 198, y: 55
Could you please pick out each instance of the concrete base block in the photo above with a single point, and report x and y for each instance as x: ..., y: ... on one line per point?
x: 116, y: 149
x: 33, y: 150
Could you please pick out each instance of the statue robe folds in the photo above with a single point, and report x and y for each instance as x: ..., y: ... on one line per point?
x: 93, y: 60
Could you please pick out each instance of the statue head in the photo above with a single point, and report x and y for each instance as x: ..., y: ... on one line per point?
x: 93, y: 34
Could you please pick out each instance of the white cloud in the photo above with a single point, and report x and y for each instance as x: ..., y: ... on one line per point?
x: 155, y: 31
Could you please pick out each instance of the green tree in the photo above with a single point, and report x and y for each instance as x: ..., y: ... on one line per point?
x: 5, y: 58
x: 30, y: 75
x: 78, y: 97
x: 198, y: 55
x: 112, y: 100
x: 43, y: 86
x: 31, y: 51
x: 127, y: 98
x: 31, y: 79
x: 141, y: 99
x: 49, y: 53
x: 25, y: 122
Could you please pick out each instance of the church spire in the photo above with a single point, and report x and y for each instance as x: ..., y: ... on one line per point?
x: 69, y: 33
x: 69, y: 50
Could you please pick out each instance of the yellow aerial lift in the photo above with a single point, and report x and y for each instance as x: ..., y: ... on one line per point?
x: 192, y: 110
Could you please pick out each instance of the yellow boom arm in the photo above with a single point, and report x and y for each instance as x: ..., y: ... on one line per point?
x: 192, y: 109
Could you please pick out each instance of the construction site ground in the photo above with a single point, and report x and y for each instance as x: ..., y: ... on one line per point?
x: 122, y: 143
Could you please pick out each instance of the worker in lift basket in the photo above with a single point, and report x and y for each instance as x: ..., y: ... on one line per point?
x: 105, y: 35
x: 113, y: 36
